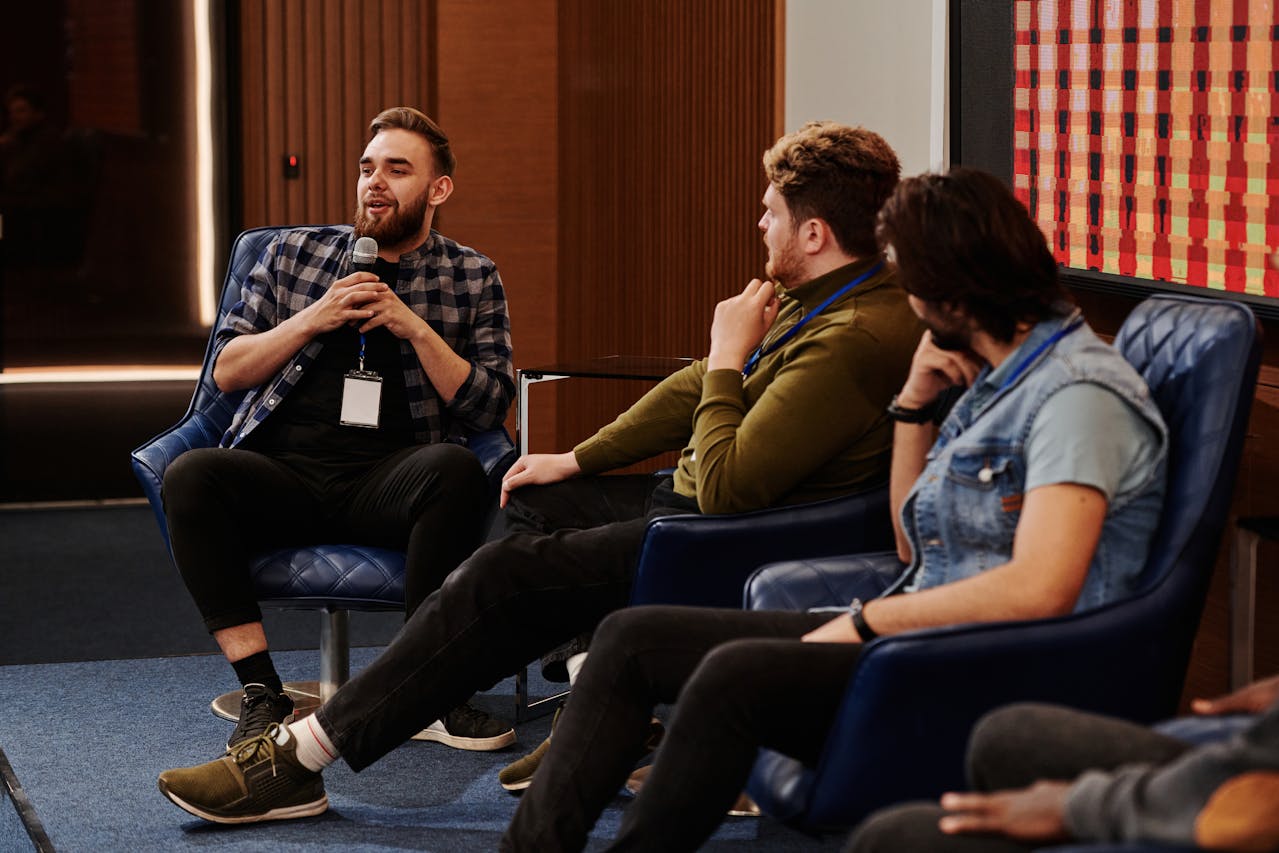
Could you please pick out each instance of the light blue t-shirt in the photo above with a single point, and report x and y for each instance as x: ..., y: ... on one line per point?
x: 1086, y: 434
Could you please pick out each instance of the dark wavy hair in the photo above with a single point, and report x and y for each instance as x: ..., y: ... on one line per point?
x: 835, y: 173
x: 416, y: 121
x: 963, y: 240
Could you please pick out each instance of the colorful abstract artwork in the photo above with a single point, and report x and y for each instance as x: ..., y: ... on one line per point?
x: 1146, y: 134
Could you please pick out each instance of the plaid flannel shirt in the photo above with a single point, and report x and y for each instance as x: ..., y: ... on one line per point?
x: 454, y: 288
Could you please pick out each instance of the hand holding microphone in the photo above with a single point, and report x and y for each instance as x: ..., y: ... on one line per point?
x: 348, y: 299
x: 382, y: 307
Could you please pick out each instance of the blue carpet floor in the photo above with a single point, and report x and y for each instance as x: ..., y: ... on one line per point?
x: 86, y: 741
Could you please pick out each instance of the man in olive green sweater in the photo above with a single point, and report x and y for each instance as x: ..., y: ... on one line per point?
x: 787, y: 408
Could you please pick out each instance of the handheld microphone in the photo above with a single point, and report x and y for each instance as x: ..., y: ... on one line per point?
x: 364, y: 255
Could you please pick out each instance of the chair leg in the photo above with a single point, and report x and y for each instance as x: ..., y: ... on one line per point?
x: 335, y: 651
x: 1243, y: 605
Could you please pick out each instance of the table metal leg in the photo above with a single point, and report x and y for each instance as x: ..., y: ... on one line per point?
x: 1243, y: 605
x: 525, y: 711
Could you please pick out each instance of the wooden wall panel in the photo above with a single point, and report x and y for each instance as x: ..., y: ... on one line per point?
x: 608, y: 154
x: 313, y: 74
x: 665, y: 109
x: 497, y: 101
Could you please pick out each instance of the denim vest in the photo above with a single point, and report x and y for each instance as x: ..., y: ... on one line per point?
x: 962, y: 512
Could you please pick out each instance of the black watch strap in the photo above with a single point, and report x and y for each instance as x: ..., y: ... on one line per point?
x: 911, y: 416
x: 859, y: 621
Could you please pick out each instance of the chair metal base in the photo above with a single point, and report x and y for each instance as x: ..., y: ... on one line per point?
x: 305, y: 696
x: 335, y: 669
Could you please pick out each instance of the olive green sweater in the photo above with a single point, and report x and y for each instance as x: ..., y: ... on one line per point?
x: 807, y: 424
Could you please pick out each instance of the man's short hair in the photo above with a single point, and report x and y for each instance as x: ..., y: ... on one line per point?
x: 835, y: 173
x: 416, y: 121
x: 963, y: 240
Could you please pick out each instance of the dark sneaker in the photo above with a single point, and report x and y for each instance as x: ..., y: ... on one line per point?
x: 469, y: 728
x: 257, y: 780
x: 259, y: 708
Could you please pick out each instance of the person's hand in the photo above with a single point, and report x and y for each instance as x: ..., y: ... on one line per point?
x: 390, y: 311
x: 933, y: 370
x: 538, y: 469
x: 740, y: 324
x: 1253, y: 699
x: 838, y: 630
x: 346, y: 301
x: 1033, y: 814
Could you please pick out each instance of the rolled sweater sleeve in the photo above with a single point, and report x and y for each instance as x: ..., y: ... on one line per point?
x: 482, y: 400
x: 1221, y: 796
x: 659, y: 421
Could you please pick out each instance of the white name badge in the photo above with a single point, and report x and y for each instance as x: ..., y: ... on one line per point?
x: 361, y: 399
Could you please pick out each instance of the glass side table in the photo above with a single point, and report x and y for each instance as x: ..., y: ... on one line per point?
x: 655, y: 368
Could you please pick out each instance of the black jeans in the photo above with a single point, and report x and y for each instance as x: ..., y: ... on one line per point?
x: 508, y: 603
x: 742, y: 679
x: 1012, y: 748
x: 224, y: 505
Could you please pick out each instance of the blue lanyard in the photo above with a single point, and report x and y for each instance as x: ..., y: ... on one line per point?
x: 1025, y: 362
x: 760, y: 351
x: 361, y: 352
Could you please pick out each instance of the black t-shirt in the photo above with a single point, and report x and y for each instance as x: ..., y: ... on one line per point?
x: 305, y: 428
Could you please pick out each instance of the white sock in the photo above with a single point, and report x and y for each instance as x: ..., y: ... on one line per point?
x: 574, y: 666
x: 315, y: 749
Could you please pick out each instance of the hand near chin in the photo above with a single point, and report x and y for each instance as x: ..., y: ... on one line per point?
x: 740, y: 324
x: 933, y: 370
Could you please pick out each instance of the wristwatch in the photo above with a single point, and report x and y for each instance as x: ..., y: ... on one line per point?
x: 911, y: 416
x: 864, y: 631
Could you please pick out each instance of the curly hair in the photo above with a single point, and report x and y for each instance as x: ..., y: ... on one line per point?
x: 416, y: 121
x: 964, y: 240
x: 839, y: 174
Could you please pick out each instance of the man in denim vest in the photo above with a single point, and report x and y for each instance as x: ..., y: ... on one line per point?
x: 1038, y: 496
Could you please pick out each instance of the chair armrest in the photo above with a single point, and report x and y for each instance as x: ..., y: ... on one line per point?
x: 496, y: 453
x: 152, y: 459
x: 913, y: 699
x: 704, y: 560
x: 821, y: 581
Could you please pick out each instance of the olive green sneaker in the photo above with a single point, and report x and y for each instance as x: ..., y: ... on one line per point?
x: 259, y: 779
x: 518, y: 775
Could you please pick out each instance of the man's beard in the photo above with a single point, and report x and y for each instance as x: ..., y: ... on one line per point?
x: 395, y: 228
x: 782, y: 266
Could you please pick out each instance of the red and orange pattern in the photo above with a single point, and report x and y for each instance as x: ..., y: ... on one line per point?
x: 1146, y: 135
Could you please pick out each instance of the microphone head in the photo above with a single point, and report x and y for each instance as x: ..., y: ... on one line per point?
x: 365, y: 252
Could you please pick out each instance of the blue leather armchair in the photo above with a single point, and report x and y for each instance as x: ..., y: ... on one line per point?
x: 704, y: 560
x: 335, y: 578
x: 909, y: 707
